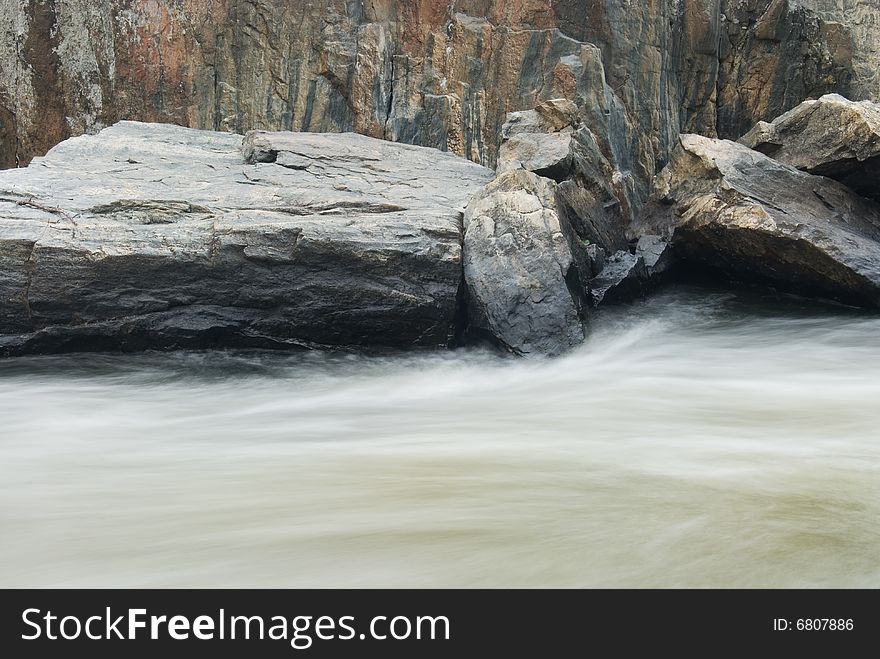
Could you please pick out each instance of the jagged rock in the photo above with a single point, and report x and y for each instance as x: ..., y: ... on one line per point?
x: 440, y: 74
x: 831, y: 137
x: 773, y: 55
x: 150, y: 235
x: 524, y: 283
x: 551, y: 142
x: 622, y: 279
x: 627, y: 275
x: 750, y: 217
x: 540, y: 140
x: 657, y: 255
x: 859, y: 17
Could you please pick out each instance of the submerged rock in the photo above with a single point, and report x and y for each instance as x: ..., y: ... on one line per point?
x: 831, y: 137
x: 750, y: 217
x: 150, y: 235
x: 524, y: 282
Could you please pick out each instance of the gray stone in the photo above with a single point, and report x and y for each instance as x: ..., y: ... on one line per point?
x: 551, y: 142
x: 523, y: 276
x: 540, y: 140
x: 657, y: 254
x: 750, y: 217
x: 627, y: 275
x: 150, y: 235
x: 439, y: 74
x: 621, y: 280
x: 859, y: 17
x: 832, y: 137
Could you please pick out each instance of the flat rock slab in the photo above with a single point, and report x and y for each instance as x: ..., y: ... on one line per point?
x: 831, y: 136
x: 752, y: 218
x: 149, y: 235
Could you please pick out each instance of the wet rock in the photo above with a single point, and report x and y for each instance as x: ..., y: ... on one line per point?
x: 622, y: 279
x: 831, y: 137
x: 752, y: 218
x: 657, y: 253
x: 525, y: 287
x: 630, y: 274
x: 150, y: 235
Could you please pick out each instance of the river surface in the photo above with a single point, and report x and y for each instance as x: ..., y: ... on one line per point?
x: 700, y: 438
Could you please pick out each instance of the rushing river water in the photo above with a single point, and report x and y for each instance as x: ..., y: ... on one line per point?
x: 697, y: 439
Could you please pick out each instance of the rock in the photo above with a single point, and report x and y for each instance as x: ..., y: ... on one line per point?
x: 540, y: 140
x: 752, y: 218
x: 523, y: 277
x: 773, y: 54
x: 657, y: 255
x: 627, y: 275
x: 831, y: 137
x: 622, y: 279
x: 551, y: 142
x: 149, y: 235
x: 859, y: 17
x: 439, y: 74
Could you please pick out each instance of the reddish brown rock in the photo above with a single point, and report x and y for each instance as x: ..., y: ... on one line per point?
x: 418, y: 71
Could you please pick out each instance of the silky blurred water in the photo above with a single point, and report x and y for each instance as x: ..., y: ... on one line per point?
x: 700, y: 438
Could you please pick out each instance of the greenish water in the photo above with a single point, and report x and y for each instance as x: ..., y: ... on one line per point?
x: 697, y: 439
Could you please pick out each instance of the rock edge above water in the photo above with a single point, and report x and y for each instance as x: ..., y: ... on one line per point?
x: 149, y: 235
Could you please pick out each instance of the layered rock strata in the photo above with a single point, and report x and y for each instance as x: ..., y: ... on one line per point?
x: 150, y: 235
x: 416, y: 71
x: 831, y: 137
x: 752, y: 218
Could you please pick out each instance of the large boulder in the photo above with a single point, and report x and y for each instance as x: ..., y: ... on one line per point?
x: 150, y: 235
x: 750, y: 217
x: 525, y: 285
x: 831, y: 137
x: 552, y: 141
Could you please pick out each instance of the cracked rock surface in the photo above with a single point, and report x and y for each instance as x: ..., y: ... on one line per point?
x: 524, y: 281
x: 831, y: 136
x: 752, y: 218
x: 439, y: 74
x: 150, y: 235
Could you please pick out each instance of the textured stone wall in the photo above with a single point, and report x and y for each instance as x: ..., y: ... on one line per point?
x: 862, y: 19
x: 440, y: 74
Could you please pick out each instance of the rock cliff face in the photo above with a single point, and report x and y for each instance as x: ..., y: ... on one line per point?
x: 441, y: 74
x: 862, y: 19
